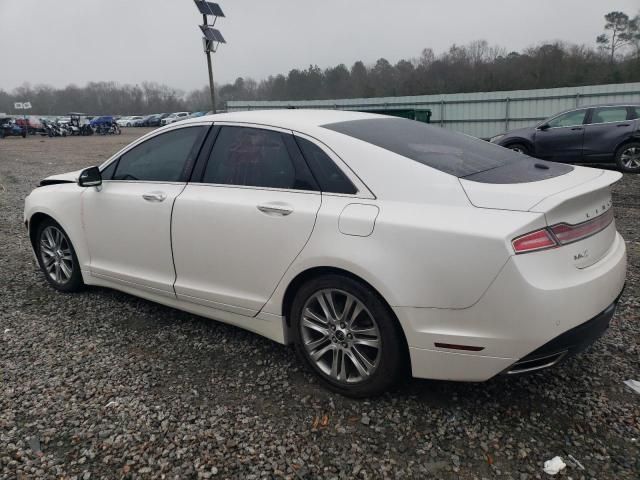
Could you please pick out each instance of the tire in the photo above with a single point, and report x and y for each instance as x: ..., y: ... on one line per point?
x: 519, y: 148
x: 57, y: 257
x: 336, y: 343
x: 628, y: 157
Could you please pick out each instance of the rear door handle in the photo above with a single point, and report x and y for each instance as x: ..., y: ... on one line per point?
x: 623, y: 125
x: 154, y: 196
x: 272, y: 209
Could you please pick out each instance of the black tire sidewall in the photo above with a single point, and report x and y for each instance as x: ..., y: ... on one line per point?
x: 393, y: 365
x: 618, y: 158
x: 75, y: 283
x: 522, y: 147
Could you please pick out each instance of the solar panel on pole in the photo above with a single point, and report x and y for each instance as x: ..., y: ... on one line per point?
x: 209, y: 8
x: 212, y: 34
x: 212, y: 38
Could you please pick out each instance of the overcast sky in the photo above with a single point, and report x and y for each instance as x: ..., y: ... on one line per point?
x: 75, y: 41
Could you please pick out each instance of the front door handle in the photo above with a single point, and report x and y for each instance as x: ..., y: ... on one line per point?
x: 273, y: 209
x: 623, y: 125
x: 576, y: 128
x: 154, y: 196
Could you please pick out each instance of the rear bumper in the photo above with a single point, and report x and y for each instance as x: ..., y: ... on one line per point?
x: 537, y: 305
x: 565, y: 345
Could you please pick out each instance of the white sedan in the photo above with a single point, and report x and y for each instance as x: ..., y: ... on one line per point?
x: 378, y: 246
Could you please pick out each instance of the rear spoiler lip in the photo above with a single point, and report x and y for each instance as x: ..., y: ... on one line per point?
x: 604, y: 180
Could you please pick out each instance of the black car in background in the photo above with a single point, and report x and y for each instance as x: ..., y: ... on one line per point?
x: 156, y: 120
x: 595, y: 134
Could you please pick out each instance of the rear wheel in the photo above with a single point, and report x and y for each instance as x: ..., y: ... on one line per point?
x: 628, y: 157
x: 345, y: 333
x: 57, y: 257
x: 519, y: 148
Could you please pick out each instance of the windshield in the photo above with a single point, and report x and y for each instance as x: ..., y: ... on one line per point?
x: 444, y: 150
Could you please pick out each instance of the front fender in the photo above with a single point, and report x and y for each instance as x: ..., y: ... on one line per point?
x: 62, y: 202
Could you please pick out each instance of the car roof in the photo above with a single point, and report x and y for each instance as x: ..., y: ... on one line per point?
x: 286, y: 118
x: 586, y: 107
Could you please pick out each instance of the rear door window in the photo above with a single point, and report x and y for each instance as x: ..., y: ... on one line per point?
x: 609, y: 114
x: 255, y: 157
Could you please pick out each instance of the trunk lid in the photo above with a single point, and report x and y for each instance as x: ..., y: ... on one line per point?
x: 575, y: 198
x: 525, y: 195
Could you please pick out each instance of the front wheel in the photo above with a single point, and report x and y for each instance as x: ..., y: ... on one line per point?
x: 347, y: 335
x: 628, y: 157
x: 57, y: 257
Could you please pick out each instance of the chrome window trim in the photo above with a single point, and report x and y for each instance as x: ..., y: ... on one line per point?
x: 609, y: 123
x: 251, y: 187
x: 591, y: 107
x: 145, y: 181
x: 149, y: 136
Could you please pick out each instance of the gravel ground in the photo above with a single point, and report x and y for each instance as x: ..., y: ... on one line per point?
x: 104, y: 385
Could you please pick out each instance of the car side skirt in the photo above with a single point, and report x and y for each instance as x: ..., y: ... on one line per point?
x: 265, y: 324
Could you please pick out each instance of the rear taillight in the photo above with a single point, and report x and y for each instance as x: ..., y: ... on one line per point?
x: 560, y: 234
x: 566, y: 233
x: 534, y: 241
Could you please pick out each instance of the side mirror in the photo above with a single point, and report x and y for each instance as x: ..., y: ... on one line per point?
x: 544, y: 126
x: 90, y: 177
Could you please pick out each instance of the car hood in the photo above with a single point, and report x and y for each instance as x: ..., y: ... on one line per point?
x: 69, y: 177
x: 520, y: 132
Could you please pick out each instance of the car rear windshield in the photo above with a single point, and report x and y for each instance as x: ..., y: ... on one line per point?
x: 449, y: 152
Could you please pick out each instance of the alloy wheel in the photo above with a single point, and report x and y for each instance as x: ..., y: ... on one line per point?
x: 340, y: 336
x: 55, y: 253
x: 630, y: 157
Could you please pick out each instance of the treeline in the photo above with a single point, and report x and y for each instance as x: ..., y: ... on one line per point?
x: 476, y: 67
x: 469, y: 68
x: 95, y: 98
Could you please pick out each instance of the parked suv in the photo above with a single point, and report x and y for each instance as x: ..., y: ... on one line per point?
x: 595, y: 134
x: 174, y: 117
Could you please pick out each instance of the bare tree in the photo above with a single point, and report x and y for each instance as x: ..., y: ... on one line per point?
x: 618, y: 24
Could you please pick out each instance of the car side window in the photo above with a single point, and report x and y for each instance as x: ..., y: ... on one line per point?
x: 162, y: 158
x: 568, y: 119
x: 325, y: 171
x: 255, y: 157
x: 609, y: 114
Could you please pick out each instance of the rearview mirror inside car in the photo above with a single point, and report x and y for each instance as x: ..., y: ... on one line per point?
x: 90, y: 177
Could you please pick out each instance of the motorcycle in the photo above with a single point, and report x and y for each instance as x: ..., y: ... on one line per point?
x: 109, y: 129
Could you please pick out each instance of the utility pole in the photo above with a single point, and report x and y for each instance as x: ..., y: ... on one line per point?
x: 212, y: 88
x: 211, y: 40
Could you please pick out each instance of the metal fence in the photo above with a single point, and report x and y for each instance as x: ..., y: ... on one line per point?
x: 482, y: 114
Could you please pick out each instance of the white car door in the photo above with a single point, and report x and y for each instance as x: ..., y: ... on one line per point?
x: 237, y: 231
x: 127, y: 220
